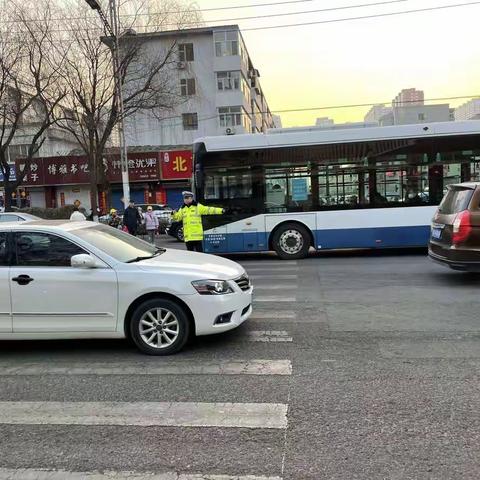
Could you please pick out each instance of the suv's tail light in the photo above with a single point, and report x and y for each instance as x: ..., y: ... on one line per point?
x: 462, y: 227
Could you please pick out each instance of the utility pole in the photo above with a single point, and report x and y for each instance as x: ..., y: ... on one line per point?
x: 112, y: 28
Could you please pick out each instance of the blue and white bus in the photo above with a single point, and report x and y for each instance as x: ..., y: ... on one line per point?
x: 373, y: 187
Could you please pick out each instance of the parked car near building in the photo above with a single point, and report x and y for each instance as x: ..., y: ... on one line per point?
x: 455, y: 234
x: 153, y: 296
x: 17, y: 217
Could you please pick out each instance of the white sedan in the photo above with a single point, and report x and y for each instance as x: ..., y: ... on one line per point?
x: 66, y: 280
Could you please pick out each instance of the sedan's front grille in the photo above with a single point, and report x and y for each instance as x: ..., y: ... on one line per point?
x: 243, y: 282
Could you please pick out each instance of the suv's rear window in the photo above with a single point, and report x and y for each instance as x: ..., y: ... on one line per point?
x: 456, y: 200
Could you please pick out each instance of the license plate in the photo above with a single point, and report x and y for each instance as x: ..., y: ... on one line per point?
x: 436, y: 233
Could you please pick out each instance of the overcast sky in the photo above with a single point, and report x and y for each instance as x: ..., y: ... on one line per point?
x: 361, y: 61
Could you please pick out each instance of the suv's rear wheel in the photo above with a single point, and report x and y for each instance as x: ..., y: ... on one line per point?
x: 291, y: 241
x: 159, y: 327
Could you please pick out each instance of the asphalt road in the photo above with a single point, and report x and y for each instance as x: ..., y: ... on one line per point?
x: 354, y: 366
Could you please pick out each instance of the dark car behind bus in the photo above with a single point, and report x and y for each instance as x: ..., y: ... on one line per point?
x: 455, y: 234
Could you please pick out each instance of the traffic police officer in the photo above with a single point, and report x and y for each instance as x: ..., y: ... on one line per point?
x: 191, y: 215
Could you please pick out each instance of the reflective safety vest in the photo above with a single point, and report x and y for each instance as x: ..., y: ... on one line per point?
x: 191, y: 216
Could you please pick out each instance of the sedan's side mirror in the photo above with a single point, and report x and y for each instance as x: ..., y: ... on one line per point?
x: 83, y: 261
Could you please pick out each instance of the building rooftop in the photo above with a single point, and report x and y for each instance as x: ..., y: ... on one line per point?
x: 180, y: 32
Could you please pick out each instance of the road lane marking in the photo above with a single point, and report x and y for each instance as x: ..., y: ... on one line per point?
x: 279, y: 336
x: 269, y: 315
x: 263, y: 263
x: 239, y: 367
x: 273, y: 298
x: 274, y: 277
x: 275, y: 287
x: 272, y: 269
x: 32, y: 474
x: 146, y: 414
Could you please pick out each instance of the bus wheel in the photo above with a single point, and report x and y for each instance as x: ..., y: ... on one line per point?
x: 291, y: 241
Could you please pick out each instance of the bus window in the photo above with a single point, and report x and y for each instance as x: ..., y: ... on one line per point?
x: 221, y: 184
x: 288, y: 190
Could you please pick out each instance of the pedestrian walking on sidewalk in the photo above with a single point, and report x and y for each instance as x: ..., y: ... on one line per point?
x: 191, y: 214
x: 151, y: 224
x: 132, y: 218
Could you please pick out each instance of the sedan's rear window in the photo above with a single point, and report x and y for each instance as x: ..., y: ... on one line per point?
x: 456, y: 200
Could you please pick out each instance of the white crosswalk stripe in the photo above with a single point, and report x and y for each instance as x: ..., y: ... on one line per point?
x: 274, y: 277
x: 275, y: 287
x: 146, y: 414
x: 271, y: 315
x: 268, y: 263
x: 31, y: 474
x: 238, y: 367
x: 274, y: 298
x: 272, y: 269
x: 269, y: 336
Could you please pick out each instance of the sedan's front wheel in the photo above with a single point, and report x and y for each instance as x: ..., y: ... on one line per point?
x: 159, y: 327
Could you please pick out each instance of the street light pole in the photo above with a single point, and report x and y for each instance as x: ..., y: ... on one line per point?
x: 113, y: 29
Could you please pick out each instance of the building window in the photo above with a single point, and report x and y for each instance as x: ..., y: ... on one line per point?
x: 190, y: 121
x: 226, y: 43
x: 230, y: 116
x: 187, y: 86
x: 228, y: 80
x: 246, y: 90
x: 185, y: 52
x: 233, y: 117
x: 421, y: 117
x: 17, y: 151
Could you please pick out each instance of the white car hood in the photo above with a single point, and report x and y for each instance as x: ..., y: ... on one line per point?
x: 198, y: 265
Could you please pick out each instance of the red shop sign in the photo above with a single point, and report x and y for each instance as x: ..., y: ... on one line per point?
x: 177, y: 165
x: 66, y: 170
x: 34, y: 175
x: 141, y: 167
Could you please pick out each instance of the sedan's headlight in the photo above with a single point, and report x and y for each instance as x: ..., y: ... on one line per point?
x: 212, y: 287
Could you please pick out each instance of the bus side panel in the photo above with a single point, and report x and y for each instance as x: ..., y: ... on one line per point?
x: 374, y: 228
x: 308, y: 219
x: 215, y: 240
x: 246, y: 235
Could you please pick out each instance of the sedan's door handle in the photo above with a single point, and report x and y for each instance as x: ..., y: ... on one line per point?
x: 22, y: 279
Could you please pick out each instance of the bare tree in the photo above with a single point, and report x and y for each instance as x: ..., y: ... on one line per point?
x: 92, y: 110
x: 29, y: 92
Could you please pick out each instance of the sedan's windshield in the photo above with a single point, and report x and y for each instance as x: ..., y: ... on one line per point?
x: 119, y: 245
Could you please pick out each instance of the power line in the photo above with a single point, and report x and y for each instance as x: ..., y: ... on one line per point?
x: 404, y: 12
x: 304, y: 12
x: 336, y: 20
x: 200, y: 10
x: 231, y: 7
x: 347, y: 7
x: 333, y: 107
x: 307, y: 109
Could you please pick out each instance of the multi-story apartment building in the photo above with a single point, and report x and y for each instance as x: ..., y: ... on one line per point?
x: 376, y: 113
x: 409, y: 96
x: 219, y: 91
x: 468, y: 111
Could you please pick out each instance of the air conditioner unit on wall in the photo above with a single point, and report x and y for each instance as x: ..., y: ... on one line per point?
x: 181, y: 65
x: 230, y: 131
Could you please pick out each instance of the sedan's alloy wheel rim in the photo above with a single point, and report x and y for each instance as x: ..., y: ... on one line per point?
x: 291, y: 241
x: 159, y: 328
